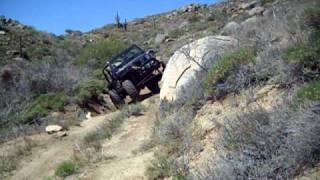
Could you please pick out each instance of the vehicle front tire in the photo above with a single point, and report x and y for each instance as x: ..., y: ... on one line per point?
x: 116, y: 99
x: 130, y: 89
x: 153, y: 87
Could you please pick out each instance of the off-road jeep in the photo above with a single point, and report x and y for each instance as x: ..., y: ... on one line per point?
x: 130, y: 71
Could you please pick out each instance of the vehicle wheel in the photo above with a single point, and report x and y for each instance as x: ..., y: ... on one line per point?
x: 153, y: 87
x: 116, y: 99
x: 130, y: 89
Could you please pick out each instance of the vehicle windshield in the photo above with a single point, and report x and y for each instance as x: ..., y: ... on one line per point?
x: 126, y: 56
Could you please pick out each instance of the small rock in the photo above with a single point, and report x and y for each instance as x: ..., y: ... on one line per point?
x: 61, y: 134
x: 55, y: 114
x: 169, y: 40
x: 19, y: 59
x: 53, y: 129
x: 256, y: 11
x: 20, y: 26
x: 161, y: 38
x: 2, y: 32
x: 249, y: 5
x: 88, y: 116
x: 12, y: 53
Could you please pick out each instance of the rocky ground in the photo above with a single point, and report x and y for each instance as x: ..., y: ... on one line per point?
x: 239, y: 97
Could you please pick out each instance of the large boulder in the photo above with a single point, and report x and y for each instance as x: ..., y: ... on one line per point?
x: 230, y: 29
x: 186, y: 68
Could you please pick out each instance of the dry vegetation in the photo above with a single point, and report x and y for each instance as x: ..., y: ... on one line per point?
x: 281, y: 49
x: 259, y: 143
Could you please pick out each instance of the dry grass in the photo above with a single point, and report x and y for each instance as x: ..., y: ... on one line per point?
x: 10, y: 157
x: 263, y: 145
x: 90, y: 149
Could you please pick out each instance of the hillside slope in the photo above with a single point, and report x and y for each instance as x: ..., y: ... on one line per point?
x: 258, y: 116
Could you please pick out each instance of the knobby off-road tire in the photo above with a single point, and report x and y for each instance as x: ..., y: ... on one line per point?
x: 130, y: 89
x: 116, y: 99
x: 153, y: 86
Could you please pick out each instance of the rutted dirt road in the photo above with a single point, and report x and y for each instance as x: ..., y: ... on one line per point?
x: 127, y: 162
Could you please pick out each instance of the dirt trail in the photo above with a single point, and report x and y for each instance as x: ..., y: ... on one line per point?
x: 126, y: 164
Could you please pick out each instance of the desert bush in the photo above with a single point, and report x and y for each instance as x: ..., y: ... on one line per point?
x: 176, y: 33
x: 217, y: 16
x: 10, y: 159
x: 198, y: 26
x: 43, y: 105
x: 89, y: 91
x: 68, y: 168
x: 265, y: 145
x: 163, y: 166
x: 305, y: 57
x: 175, y: 134
x: 310, y: 92
x: 194, y: 18
x: 159, y: 168
x: 171, y: 131
x: 227, y: 65
x: 311, y: 18
x: 97, y: 54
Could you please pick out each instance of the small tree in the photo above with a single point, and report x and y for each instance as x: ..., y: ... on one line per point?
x: 118, y: 20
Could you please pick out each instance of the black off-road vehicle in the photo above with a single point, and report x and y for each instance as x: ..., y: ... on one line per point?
x: 130, y: 71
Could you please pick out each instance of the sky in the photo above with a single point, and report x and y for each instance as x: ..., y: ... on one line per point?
x: 55, y: 16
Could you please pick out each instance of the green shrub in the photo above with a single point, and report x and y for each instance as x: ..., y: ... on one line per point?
x: 43, y: 105
x: 160, y: 168
x: 310, y: 92
x: 299, y: 53
x: 199, y: 26
x: 312, y: 18
x: 136, y: 109
x: 304, y: 52
x: 194, y: 18
x: 176, y: 33
x: 305, y: 56
x: 89, y: 90
x: 226, y: 64
x: 100, y: 52
x: 67, y: 168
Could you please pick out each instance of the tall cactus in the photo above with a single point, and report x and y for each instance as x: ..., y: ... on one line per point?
x: 118, y: 20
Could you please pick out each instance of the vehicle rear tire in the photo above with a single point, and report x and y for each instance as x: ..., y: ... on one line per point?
x: 153, y: 87
x: 116, y: 99
x: 130, y: 89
